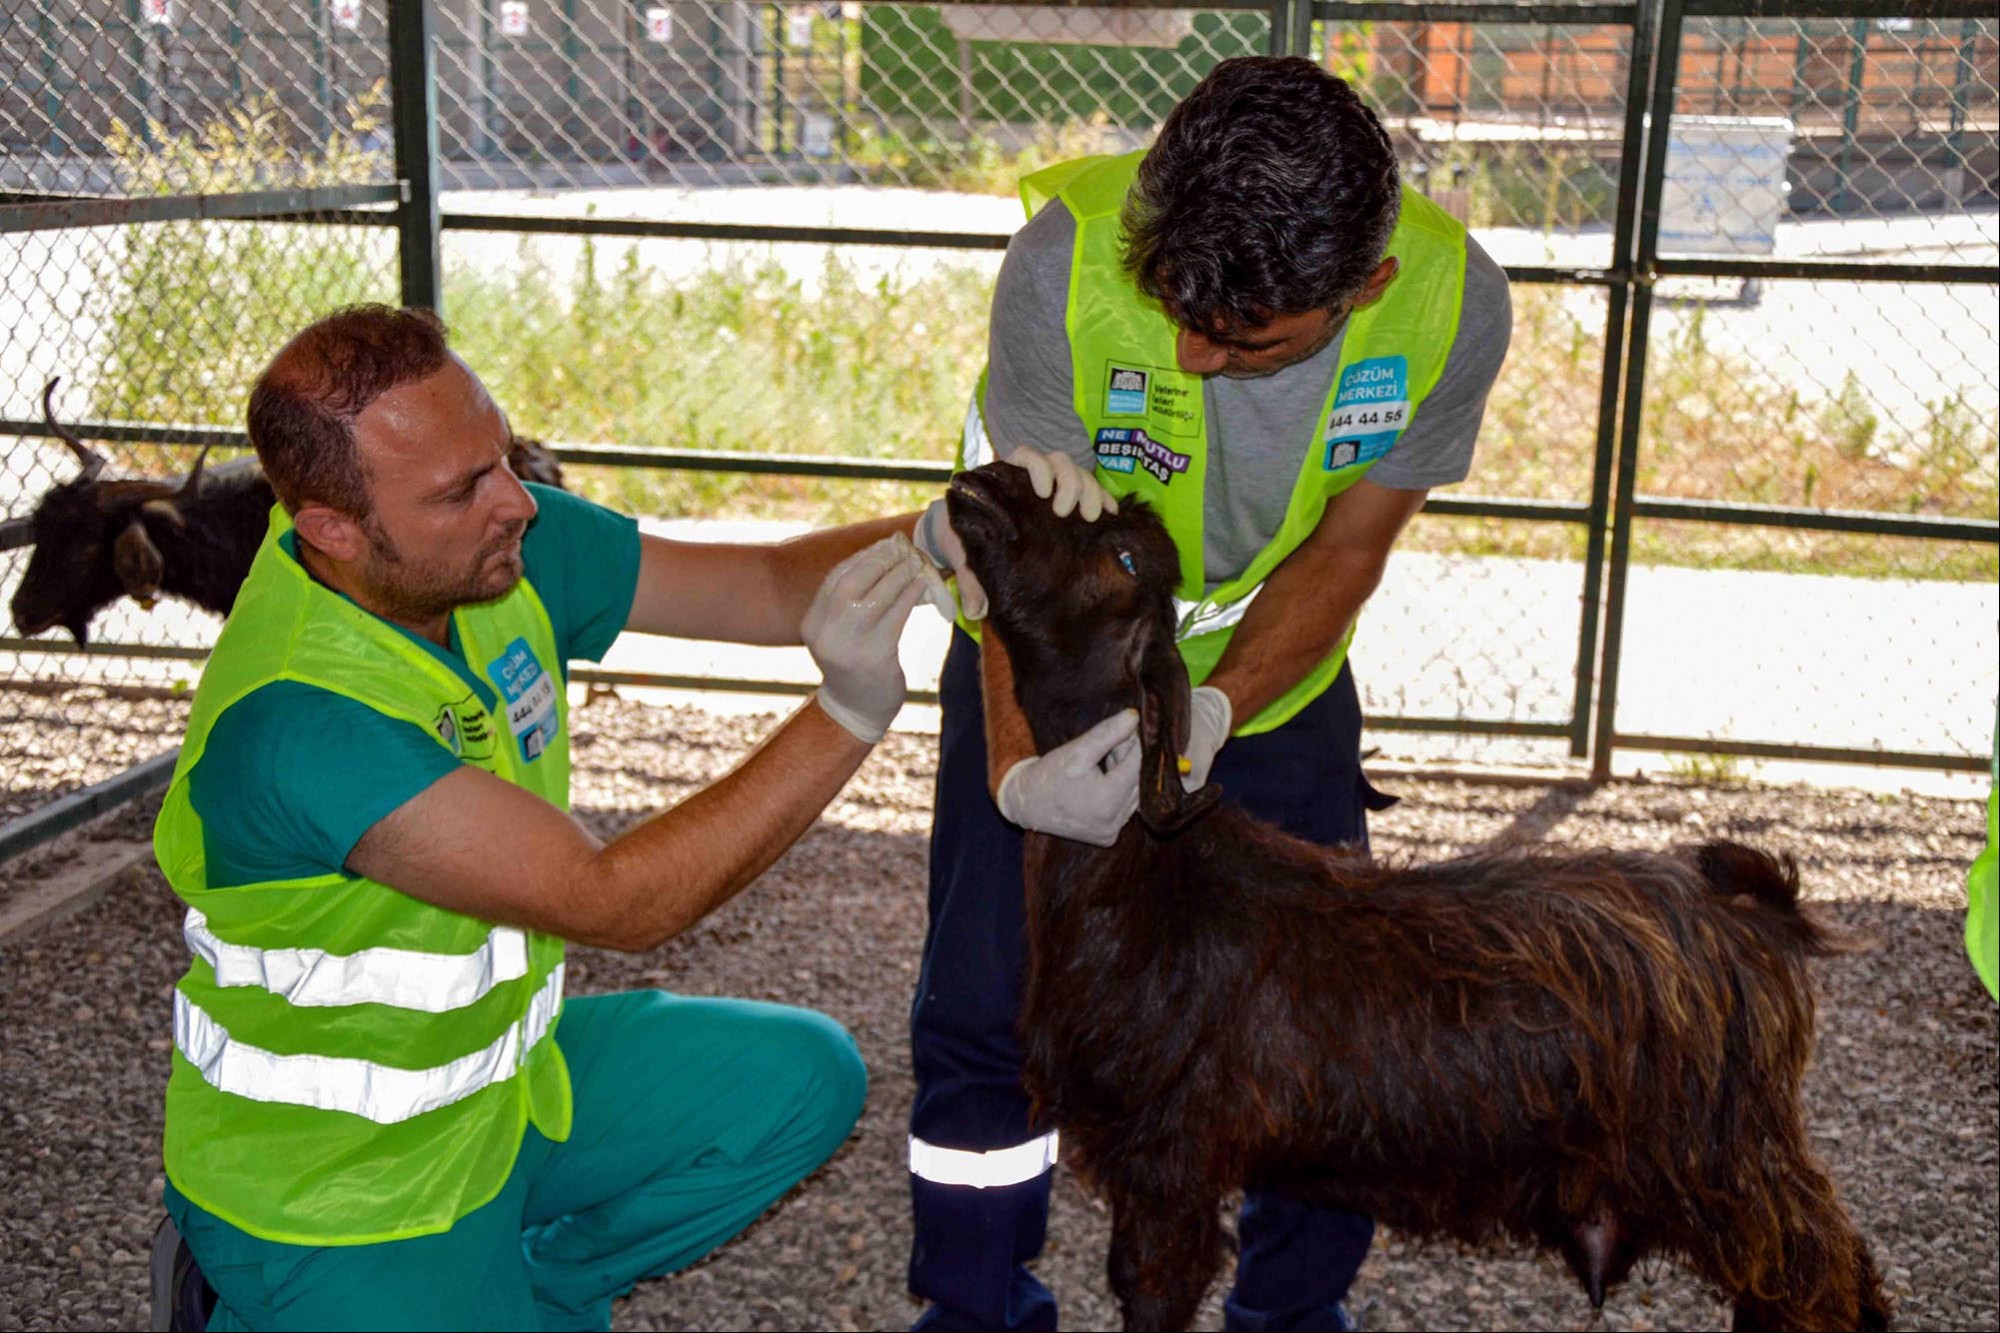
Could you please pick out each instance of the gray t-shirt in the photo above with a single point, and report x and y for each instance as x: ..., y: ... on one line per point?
x: 1257, y: 428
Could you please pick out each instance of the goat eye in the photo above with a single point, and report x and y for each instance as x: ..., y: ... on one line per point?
x: 1131, y: 565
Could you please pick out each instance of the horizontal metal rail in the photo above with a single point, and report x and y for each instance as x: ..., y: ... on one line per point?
x: 80, y: 807
x: 134, y: 432
x: 1822, y: 754
x: 66, y: 212
x: 143, y: 652
x: 1829, y: 270
x: 724, y: 231
x: 1471, y: 726
x: 718, y: 684
x: 761, y: 233
x: 933, y: 472
x: 1840, y: 9
x: 1422, y: 11
x: 779, y: 465
x: 1542, y: 275
x: 1929, y: 527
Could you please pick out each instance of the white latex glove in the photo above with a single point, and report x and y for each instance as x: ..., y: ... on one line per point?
x: 937, y: 542
x: 1083, y: 789
x: 1055, y: 477
x: 852, y: 629
x: 1208, y: 727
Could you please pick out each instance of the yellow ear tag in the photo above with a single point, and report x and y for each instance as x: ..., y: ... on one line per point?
x: 1186, y: 765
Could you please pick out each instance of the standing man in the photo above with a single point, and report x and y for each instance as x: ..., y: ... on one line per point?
x: 381, y: 1111
x: 1255, y: 329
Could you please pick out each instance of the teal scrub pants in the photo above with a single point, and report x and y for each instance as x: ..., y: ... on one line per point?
x: 691, y: 1117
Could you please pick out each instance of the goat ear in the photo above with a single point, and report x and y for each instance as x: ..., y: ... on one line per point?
x: 1160, y: 679
x: 137, y: 561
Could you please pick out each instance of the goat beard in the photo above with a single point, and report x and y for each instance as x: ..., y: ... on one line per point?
x: 405, y: 589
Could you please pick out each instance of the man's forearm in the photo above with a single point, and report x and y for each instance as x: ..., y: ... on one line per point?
x: 798, y: 565
x: 1300, y: 616
x: 662, y: 877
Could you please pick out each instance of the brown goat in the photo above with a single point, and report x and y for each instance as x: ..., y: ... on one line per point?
x: 96, y: 540
x: 1596, y: 1053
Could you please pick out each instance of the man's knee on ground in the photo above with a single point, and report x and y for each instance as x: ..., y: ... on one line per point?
x: 820, y: 1058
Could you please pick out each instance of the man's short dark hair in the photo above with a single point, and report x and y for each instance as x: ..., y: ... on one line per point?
x: 303, y: 407
x: 1272, y: 190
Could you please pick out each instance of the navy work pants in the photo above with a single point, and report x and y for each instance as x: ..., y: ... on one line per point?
x: 970, y: 1121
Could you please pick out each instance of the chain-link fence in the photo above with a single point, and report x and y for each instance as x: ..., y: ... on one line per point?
x: 1740, y: 466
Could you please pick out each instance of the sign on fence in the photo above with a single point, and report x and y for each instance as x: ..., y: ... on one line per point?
x: 159, y: 13
x: 659, y: 25
x: 347, y: 14
x: 817, y: 138
x: 1725, y: 184
x: 513, y: 18
x: 1086, y: 25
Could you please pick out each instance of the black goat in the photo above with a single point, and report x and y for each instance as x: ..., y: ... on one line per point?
x: 1594, y: 1053
x: 96, y: 540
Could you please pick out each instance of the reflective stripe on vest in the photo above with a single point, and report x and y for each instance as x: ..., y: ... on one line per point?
x: 353, y: 1065
x: 983, y: 1170
x: 975, y: 447
x: 379, y: 1092
x: 1205, y: 617
x: 401, y: 978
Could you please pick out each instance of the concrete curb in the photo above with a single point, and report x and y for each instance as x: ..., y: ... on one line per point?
x: 75, y: 888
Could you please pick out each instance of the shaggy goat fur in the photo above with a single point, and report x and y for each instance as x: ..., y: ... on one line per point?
x: 97, y: 540
x: 1597, y: 1053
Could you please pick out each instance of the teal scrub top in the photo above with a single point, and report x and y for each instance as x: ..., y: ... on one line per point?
x: 293, y: 775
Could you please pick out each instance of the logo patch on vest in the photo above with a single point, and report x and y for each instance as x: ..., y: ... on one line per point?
x: 463, y: 726
x: 1125, y: 394
x: 1369, y: 412
x: 530, y: 695
x: 1126, y: 448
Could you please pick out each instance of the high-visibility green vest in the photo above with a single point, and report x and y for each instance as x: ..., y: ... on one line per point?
x: 1982, y: 899
x: 1146, y: 419
x: 352, y: 1065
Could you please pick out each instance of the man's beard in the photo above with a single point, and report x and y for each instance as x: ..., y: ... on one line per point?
x: 410, y: 591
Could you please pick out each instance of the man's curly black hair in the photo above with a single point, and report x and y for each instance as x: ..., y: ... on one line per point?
x: 1272, y: 190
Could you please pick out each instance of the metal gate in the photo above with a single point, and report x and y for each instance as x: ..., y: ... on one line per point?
x: 186, y: 182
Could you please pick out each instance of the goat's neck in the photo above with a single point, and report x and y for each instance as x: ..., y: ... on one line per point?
x: 1059, y: 699
x: 207, y: 555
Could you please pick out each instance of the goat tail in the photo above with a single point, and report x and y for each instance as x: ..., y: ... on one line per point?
x: 1733, y: 869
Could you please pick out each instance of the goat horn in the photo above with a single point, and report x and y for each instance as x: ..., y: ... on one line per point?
x: 192, y: 486
x: 93, y: 462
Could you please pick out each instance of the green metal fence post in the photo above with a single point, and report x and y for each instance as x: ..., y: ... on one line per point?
x: 1666, y: 78
x: 1850, y: 115
x: 1639, y: 75
x: 413, y: 105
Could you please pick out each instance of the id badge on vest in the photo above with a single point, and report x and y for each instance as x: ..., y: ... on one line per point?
x: 529, y: 691
x: 1369, y: 412
x: 1164, y: 407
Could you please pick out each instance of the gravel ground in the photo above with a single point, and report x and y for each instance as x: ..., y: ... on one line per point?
x: 1903, y: 1098
x: 54, y: 743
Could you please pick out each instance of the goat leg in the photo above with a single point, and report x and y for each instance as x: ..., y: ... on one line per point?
x: 1164, y: 1256
x: 1826, y: 1280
